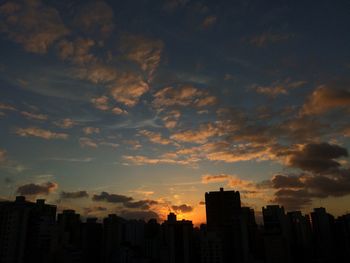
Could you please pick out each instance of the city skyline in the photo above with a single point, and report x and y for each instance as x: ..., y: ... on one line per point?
x: 139, y: 107
x: 34, y: 231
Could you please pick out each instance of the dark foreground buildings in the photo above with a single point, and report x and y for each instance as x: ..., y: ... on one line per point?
x: 31, y: 232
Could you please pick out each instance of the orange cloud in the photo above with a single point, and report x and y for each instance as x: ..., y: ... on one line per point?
x: 41, y: 133
x: 77, y: 51
x: 145, y: 52
x: 91, y: 130
x: 101, y: 103
x: 65, y: 123
x: 201, y: 135
x: 32, y: 24
x: 3, y: 155
x: 34, y: 116
x: 325, y: 98
x: 278, y: 88
x: 155, y: 137
x: 128, y: 89
x: 186, y: 95
x: 87, y: 142
x: 4, y: 106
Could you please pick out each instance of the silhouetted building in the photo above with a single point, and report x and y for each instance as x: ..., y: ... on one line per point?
x: 26, y: 231
x: 177, y: 240
x: 276, y: 234
x: 301, y: 236
x: 68, y: 247
x: 112, y: 237
x: 91, y: 236
x: 229, y: 224
x: 342, y: 238
x: 323, y: 236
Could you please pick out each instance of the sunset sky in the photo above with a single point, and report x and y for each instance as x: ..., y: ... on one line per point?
x: 139, y: 107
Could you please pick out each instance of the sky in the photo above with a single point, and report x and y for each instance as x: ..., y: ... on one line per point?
x: 139, y: 107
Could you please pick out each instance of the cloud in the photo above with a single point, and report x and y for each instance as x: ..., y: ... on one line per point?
x: 128, y: 89
x: 208, y: 178
x: 101, y: 103
x: 295, y: 192
x: 325, y: 98
x: 3, y: 155
x: 142, y: 204
x: 143, y: 215
x: 73, y: 195
x: 119, y: 111
x: 292, y: 199
x: 32, y: 24
x: 143, y: 51
x: 37, y: 189
x: 289, y: 181
x: 200, y: 135
x: 4, y: 106
x: 171, y: 118
x: 73, y: 160
x: 182, y: 208
x: 141, y: 160
x: 266, y: 38
x: 87, y: 142
x: 232, y: 181
x: 78, y: 51
x: 209, y: 21
x: 97, y: 73
x: 278, y: 88
x: 91, y: 130
x: 185, y: 95
x: 111, y: 198
x: 94, y: 209
x: 95, y: 18
x: 65, y: 123
x: 317, y: 158
x: 34, y: 116
x: 41, y: 133
x: 155, y: 137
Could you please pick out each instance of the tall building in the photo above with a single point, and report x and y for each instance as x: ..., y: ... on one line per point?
x: 26, y: 231
x: 91, y: 236
x: 229, y: 223
x: 323, y: 234
x: 112, y: 237
x: 68, y: 243
x: 301, y: 236
x: 177, y: 239
x: 276, y: 234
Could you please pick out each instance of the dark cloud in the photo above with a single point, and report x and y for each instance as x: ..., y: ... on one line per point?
x: 74, y: 195
x: 144, y: 215
x: 182, y: 208
x: 289, y: 181
x: 94, y: 209
x: 111, y: 198
x: 142, y: 204
x: 295, y: 192
x: 95, y: 17
x: 292, y: 199
x: 317, y: 158
x: 37, y: 189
